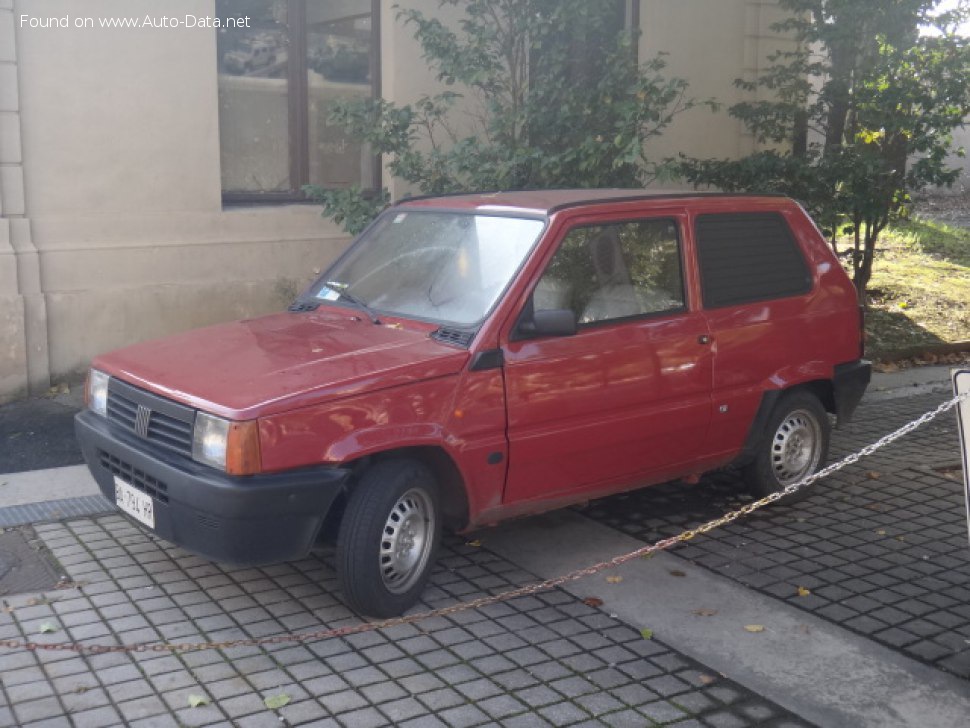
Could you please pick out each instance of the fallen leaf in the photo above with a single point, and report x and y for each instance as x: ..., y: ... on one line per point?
x: 873, y: 474
x: 614, y: 579
x: 70, y: 584
x: 707, y: 679
x: 677, y: 572
x: 593, y: 602
x: 803, y: 592
x: 476, y: 543
x: 900, y: 538
x: 647, y: 556
x: 275, y: 702
x: 47, y: 628
x: 754, y: 628
x: 196, y: 701
x: 647, y: 634
x: 881, y: 532
x: 705, y: 612
x: 81, y: 689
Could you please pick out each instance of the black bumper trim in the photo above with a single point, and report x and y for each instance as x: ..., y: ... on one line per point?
x: 849, y: 382
x: 251, y: 520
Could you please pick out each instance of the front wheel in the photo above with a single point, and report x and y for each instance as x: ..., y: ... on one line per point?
x: 388, y: 538
x: 795, y: 445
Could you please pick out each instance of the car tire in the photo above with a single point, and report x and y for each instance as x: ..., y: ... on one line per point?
x: 388, y: 538
x: 794, y: 445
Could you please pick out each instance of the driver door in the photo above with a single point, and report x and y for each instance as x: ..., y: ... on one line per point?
x: 629, y: 394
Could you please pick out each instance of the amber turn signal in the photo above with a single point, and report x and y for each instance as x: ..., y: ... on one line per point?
x: 242, y: 448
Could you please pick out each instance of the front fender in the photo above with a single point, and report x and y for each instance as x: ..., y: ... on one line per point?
x: 352, y: 427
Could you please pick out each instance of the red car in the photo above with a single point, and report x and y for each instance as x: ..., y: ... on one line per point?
x: 477, y: 357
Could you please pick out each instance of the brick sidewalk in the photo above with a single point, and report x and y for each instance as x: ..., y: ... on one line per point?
x: 881, y: 545
x: 546, y: 660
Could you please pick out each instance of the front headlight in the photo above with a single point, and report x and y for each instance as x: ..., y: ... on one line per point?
x: 210, y: 440
x: 229, y: 446
x: 97, y: 393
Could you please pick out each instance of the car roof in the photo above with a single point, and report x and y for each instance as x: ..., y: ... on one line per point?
x: 548, y: 201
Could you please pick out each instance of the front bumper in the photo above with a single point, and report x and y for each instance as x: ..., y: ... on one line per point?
x: 250, y: 520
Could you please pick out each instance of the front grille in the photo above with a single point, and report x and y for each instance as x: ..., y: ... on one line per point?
x: 133, y: 476
x: 161, y: 421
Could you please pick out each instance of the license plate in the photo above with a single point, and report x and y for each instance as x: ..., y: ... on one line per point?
x: 135, y: 503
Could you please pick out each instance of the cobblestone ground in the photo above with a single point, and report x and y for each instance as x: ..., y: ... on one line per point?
x: 545, y: 660
x: 881, y: 545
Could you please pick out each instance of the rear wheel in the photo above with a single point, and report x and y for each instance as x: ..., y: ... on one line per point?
x: 795, y: 445
x: 388, y: 538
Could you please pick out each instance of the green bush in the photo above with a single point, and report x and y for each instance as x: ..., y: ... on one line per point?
x: 549, y: 93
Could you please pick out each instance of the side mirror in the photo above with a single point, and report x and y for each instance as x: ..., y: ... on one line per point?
x: 548, y: 322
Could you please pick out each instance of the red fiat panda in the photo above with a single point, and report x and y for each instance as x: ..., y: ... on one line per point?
x: 477, y: 357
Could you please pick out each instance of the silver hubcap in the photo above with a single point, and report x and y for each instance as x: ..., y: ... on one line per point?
x: 796, y: 447
x: 406, y: 542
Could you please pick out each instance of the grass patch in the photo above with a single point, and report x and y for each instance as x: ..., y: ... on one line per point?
x: 920, y: 288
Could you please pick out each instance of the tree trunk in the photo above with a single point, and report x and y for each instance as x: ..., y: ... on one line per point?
x: 839, y: 98
x: 863, y: 266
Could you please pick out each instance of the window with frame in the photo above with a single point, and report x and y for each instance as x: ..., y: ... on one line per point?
x: 610, y: 272
x: 278, y: 78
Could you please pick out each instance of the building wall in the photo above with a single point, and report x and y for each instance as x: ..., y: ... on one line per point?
x: 112, y: 228
x: 710, y: 44
x: 121, y: 194
x: 961, y: 138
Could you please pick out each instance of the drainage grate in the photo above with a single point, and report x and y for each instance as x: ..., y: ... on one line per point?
x: 23, y: 567
x: 55, y: 510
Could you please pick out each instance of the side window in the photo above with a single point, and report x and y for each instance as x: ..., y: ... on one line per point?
x: 747, y: 257
x: 607, y: 272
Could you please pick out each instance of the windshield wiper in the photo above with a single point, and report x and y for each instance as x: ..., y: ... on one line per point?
x: 341, y: 288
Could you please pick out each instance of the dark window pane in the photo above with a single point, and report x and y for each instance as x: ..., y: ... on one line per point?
x: 747, y: 257
x: 339, y: 52
x: 254, y: 98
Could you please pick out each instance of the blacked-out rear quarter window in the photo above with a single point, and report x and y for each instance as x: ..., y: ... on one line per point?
x: 747, y: 257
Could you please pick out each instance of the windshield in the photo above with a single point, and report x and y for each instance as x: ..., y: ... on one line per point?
x: 448, y: 267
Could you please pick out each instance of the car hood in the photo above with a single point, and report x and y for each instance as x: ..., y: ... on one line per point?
x: 267, y: 365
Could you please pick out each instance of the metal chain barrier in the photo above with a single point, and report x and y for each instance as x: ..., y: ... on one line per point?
x: 523, y: 591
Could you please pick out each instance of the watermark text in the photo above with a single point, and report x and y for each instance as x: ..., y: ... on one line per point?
x: 147, y: 21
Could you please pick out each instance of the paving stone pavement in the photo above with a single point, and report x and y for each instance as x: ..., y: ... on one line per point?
x: 538, y: 661
x: 881, y: 546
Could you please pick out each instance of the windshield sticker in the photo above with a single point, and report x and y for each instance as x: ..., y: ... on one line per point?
x: 328, y: 294
x: 400, y: 217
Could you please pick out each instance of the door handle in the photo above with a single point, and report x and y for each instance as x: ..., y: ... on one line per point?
x: 703, y: 339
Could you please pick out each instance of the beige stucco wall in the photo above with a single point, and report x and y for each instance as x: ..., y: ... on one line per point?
x: 112, y: 228
x: 122, y: 191
x: 710, y: 44
x: 18, y: 265
x: 961, y: 138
